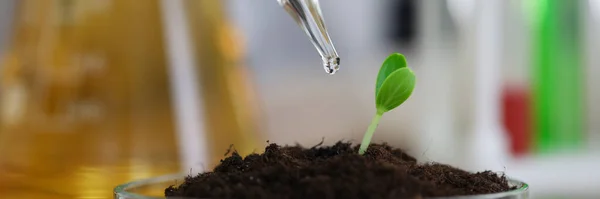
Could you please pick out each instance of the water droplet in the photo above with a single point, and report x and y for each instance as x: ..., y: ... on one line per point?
x: 331, y: 64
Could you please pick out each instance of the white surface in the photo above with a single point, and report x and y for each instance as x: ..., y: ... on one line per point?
x: 573, y: 175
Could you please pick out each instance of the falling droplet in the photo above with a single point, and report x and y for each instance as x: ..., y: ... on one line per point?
x: 331, y: 64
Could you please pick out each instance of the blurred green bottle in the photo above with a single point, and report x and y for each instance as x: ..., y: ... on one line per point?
x: 557, y: 75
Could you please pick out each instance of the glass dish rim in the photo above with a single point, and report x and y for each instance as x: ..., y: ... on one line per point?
x: 120, y: 191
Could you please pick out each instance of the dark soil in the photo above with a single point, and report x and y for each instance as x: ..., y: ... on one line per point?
x: 328, y: 172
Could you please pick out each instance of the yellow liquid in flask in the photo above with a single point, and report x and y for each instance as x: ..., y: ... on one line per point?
x: 86, y: 101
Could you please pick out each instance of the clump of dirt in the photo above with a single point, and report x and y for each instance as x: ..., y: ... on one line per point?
x: 294, y: 172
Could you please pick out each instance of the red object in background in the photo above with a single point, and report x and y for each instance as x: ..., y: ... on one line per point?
x: 516, y: 118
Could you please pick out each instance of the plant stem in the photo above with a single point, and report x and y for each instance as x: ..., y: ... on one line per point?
x: 369, y: 134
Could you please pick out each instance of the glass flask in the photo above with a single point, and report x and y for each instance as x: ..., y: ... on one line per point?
x: 90, y: 95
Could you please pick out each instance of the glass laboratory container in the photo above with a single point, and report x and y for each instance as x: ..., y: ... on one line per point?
x: 92, y: 94
x: 153, y: 188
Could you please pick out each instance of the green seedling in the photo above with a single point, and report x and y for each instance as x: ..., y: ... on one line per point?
x: 395, y: 83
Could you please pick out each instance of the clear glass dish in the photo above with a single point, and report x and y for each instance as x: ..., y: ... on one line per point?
x: 153, y: 188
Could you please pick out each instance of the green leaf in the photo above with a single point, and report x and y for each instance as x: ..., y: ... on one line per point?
x: 392, y: 63
x: 395, y: 89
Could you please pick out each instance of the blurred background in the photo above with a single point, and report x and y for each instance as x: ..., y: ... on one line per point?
x: 94, y: 93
